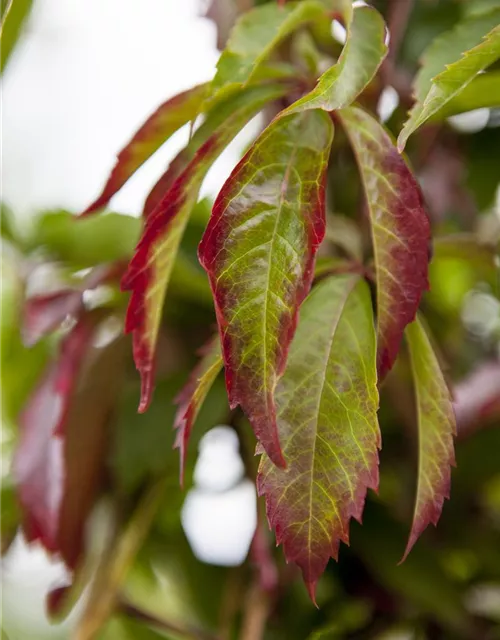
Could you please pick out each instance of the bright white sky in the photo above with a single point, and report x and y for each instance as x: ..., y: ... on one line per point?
x: 86, y: 75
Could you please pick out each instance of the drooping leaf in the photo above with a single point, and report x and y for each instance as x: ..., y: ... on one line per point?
x: 258, y: 250
x: 57, y: 465
x: 327, y: 404
x: 436, y: 428
x: 400, y: 230
x: 253, y: 38
x: 482, y: 92
x: 192, y: 396
x: 363, y: 53
x: 450, y: 63
x: 166, y: 120
x: 149, y: 271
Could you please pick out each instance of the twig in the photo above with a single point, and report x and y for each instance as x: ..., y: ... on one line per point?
x: 255, y: 615
x: 190, y: 633
x: 398, y: 16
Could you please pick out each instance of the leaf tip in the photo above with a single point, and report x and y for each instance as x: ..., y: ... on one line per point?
x: 311, y: 590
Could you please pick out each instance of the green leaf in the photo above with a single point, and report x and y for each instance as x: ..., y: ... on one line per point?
x: 400, y: 230
x: 149, y: 271
x: 166, y: 120
x: 450, y: 63
x: 362, y: 55
x: 253, y: 38
x: 483, y: 91
x: 258, y: 250
x: 14, y: 16
x: 327, y: 405
x: 436, y: 428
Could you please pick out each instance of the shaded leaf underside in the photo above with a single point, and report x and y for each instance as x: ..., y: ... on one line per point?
x: 326, y: 403
x: 149, y: 271
x: 436, y: 428
x: 258, y: 251
x: 400, y: 230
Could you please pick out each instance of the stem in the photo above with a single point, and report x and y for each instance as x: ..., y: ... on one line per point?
x: 190, y: 633
x: 111, y: 574
x: 398, y: 16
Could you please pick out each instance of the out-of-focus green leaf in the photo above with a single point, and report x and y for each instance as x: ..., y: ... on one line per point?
x: 258, y: 250
x: 124, y: 628
x: 327, y: 402
x: 436, y: 428
x: 475, y: 7
x: 349, y: 617
x: 11, y: 514
x: 13, y: 18
x: 85, y: 242
x: 362, y: 55
x: 449, y: 64
x: 253, y: 38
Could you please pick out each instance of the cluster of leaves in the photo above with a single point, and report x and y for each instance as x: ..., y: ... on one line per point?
x: 307, y: 345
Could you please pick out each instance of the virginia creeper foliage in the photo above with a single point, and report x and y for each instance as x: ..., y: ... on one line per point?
x: 306, y: 349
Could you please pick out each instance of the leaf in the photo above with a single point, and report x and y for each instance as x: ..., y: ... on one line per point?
x: 13, y: 20
x: 436, y: 428
x: 327, y: 404
x: 258, y: 250
x: 361, y: 56
x: 235, y: 100
x: 58, y: 462
x: 253, y: 38
x: 192, y: 396
x: 400, y: 230
x: 85, y: 242
x: 44, y: 313
x: 166, y: 120
x: 449, y: 64
x: 149, y: 270
x: 480, y: 93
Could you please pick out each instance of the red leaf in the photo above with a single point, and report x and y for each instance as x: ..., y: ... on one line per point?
x: 400, y: 230
x: 38, y: 466
x: 149, y: 270
x: 192, y: 396
x: 165, y: 121
x: 258, y: 250
x: 44, y: 313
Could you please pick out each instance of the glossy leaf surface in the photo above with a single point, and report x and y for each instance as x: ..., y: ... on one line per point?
x: 327, y: 404
x: 149, y: 271
x: 450, y: 63
x: 258, y: 251
x: 400, y: 230
x: 436, y: 428
x: 361, y: 56
x: 166, y: 120
x: 254, y: 37
x: 192, y: 396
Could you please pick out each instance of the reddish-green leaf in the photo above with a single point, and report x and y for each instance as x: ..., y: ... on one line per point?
x: 362, y: 55
x: 400, y: 230
x: 192, y: 396
x: 327, y: 404
x: 149, y: 271
x: 254, y: 37
x: 165, y: 121
x: 258, y: 250
x: 436, y: 428
x: 450, y: 63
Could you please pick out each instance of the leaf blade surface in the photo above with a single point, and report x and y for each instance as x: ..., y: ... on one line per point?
x: 327, y: 402
x: 258, y: 250
x: 400, y: 230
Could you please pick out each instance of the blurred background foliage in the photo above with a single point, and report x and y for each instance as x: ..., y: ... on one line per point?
x: 147, y: 578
